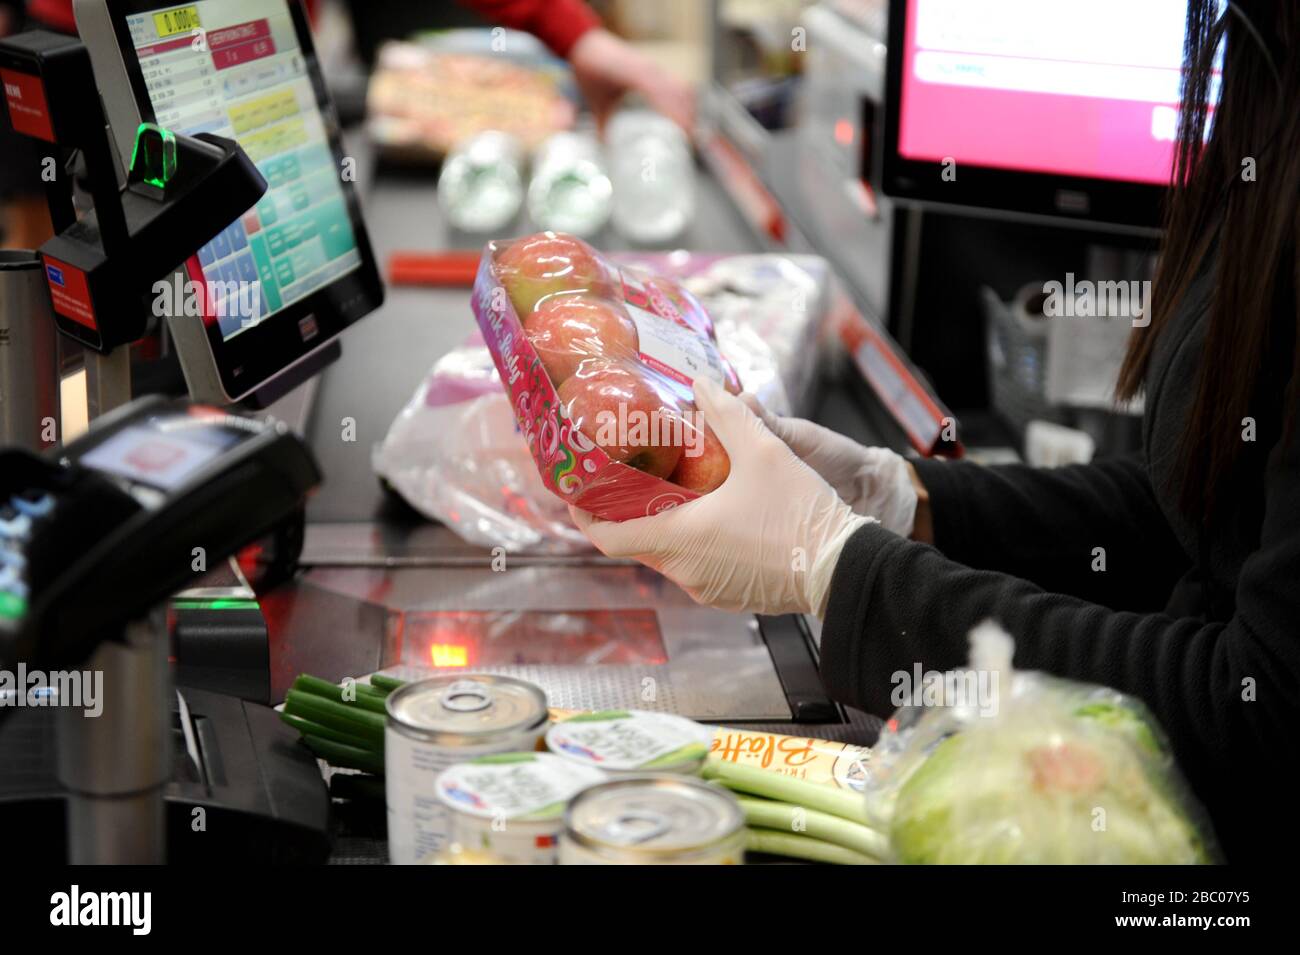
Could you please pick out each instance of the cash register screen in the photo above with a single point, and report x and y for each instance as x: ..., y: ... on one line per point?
x: 1070, y: 87
x: 234, y: 68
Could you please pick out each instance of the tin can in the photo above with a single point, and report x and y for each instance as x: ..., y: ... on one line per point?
x: 653, y: 820
x: 435, y: 723
x: 632, y: 741
x: 512, y: 805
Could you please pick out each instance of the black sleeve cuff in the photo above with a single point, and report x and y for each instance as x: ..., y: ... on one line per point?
x: 942, y: 480
x: 844, y: 627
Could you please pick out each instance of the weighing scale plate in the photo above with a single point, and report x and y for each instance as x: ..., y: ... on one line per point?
x: 593, y: 636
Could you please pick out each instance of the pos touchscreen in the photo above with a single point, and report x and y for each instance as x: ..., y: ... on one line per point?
x: 286, y: 277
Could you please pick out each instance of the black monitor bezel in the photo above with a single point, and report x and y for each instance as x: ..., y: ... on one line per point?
x: 248, y: 360
x: 1089, y: 201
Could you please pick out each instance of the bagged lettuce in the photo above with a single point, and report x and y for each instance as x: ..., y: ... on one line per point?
x: 993, y: 766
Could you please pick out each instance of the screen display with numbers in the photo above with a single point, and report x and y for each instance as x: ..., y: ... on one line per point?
x: 235, y: 68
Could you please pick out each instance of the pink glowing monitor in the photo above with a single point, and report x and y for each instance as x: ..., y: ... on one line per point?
x: 1085, y: 91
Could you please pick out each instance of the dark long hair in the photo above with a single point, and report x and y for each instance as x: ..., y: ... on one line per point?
x: 1247, y: 223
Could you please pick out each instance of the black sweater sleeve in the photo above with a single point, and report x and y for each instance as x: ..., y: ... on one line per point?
x: 1046, y: 525
x: 1227, y: 693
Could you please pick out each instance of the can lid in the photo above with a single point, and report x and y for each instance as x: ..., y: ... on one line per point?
x: 653, y: 815
x: 520, y: 786
x: 630, y: 740
x: 473, y: 705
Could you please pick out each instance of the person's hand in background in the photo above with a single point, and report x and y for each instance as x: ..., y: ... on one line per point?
x: 606, y: 68
x: 766, y: 541
x: 873, y: 481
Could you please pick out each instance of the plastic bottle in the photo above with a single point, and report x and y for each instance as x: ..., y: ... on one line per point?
x: 653, y: 175
x: 481, y: 187
x: 570, y: 189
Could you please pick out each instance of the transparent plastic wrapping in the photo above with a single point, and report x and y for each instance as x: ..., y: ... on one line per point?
x: 454, y: 454
x: 599, y: 361
x: 770, y: 313
x: 994, y: 766
x: 426, y: 98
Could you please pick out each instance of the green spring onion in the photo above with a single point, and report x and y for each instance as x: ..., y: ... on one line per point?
x: 333, y: 691
x: 386, y: 684
x: 766, y: 814
x: 802, y: 847
x: 310, y: 728
x: 340, y: 716
x: 797, y: 792
x: 348, y: 757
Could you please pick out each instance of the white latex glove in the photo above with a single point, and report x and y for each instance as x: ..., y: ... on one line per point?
x: 766, y: 541
x: 873, y: 481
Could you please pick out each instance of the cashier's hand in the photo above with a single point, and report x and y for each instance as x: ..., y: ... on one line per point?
x: 766, y: 541
x: 872, y: 481
x: 605, y: 68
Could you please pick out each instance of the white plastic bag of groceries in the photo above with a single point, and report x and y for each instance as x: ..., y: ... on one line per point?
x: 454, y: 453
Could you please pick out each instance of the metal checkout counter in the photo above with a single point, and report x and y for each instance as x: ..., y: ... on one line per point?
x: 379, y: 587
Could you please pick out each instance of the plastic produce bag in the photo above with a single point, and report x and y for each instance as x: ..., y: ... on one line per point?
x: 455, y: 455
x: 600, y: 361
x: 994, y: 766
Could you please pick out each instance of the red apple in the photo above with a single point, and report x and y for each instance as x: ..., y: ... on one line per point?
x: 704, y: 464
x: 539, y: 265
x: 567, y: 330
x: 630, y: 419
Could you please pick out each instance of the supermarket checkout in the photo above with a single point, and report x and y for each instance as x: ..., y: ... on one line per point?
x: 902, y: 560
x: 1171, y: 576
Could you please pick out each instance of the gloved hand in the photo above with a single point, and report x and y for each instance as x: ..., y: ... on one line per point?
x: 873, y: 481
x: 766, y: 541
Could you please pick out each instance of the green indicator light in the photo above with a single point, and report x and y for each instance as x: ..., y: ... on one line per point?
x: 11, y: 606
x: 155, y: 152
x: 225, y: 603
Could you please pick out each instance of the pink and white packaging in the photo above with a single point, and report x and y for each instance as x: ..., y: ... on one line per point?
x: 675, y: 342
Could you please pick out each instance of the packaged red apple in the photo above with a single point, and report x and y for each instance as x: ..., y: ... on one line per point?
x: 600, y: 362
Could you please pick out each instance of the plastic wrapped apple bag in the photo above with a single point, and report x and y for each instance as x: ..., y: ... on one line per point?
x: 599, y: 362
x: 995, y: 766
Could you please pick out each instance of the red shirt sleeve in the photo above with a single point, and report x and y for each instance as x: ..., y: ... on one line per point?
x: 53, y: 13
x: 557, y: 23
